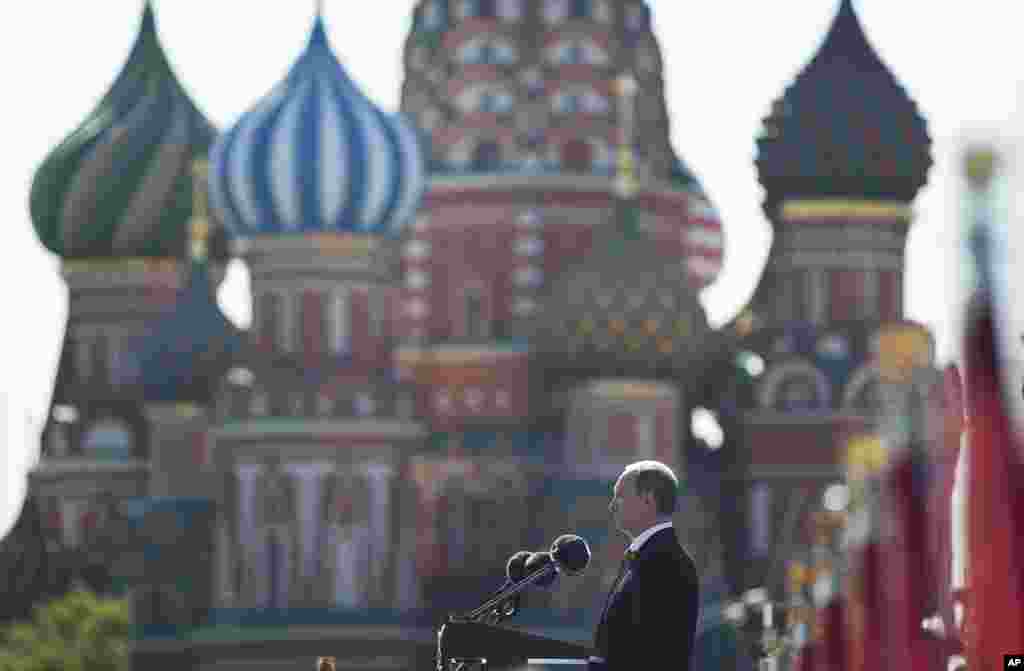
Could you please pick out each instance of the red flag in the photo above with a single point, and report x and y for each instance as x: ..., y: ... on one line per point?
x: 908, y: 567
x: 941, y: 504
x: 865, y: 586
x: 995, y: 494
x: 995, y: 503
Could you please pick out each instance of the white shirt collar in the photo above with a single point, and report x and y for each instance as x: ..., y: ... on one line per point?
x: 639, y: 541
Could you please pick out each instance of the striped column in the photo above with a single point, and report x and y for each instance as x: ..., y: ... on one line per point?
x: 416, y: 256
x: 528, y: 273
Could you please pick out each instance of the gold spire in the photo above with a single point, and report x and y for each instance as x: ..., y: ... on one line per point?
x: 625, y: 178
x: 199, y: 226
x: 980, y: 164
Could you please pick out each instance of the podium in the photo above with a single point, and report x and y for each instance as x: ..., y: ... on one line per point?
x: 469, y: 645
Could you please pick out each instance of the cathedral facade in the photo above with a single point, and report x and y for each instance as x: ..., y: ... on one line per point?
x: 467, y: 318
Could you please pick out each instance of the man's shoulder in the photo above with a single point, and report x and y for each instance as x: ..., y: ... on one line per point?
x: 664, y: 551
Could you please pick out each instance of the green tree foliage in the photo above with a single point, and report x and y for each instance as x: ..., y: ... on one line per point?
x: 78, y: 632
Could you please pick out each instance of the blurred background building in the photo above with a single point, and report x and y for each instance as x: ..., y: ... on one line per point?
x: 457, y: 342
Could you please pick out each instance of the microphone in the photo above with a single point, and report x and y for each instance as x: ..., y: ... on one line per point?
x: 515, y: 570
x: 571, y: 553
x: 542, y: 564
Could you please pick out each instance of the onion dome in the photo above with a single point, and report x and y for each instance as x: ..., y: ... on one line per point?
x: 188, y: 350
x: 844, y: 128
x: 121, y: 185
x: 626, y: 309
x: 316, y: 156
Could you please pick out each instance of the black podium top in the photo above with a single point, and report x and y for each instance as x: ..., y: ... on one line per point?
x: 503, y: 648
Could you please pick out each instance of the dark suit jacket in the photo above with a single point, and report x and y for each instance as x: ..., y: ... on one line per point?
x: 650, y: 617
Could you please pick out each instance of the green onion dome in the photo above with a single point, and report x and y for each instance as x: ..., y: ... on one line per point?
x: 121, y: 184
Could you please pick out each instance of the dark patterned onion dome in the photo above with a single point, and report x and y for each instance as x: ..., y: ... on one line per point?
x: 316, y: 156
x: 189, y: 348
x: 844, y: 128
x: 625, y: 305
x: 121, y: 184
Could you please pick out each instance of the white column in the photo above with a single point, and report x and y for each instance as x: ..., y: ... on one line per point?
x: 379, y: 522
x: 250, y: 552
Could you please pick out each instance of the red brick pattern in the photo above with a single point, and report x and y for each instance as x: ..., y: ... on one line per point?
x: 890, y: 295
x: 664, y: 434
x: 622, y: 437
x: 846, y: 293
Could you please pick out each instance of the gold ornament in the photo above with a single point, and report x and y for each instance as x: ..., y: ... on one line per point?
x: 980, y: 164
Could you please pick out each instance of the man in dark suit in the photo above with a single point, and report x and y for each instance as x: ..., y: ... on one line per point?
x: 650, y: 616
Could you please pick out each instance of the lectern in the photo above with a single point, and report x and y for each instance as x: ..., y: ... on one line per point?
x: 464, y: 644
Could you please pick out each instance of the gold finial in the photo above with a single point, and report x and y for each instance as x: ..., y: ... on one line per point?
x: 980, y: 164
x: 199, y: 227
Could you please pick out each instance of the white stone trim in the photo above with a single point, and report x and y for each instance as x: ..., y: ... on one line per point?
x: 339, y: 321
x: 860, y: 379
x: 871, y: 306
x: 289, y: 319
x: 818, y: 295
x: 319, y: 428
x: 71, y: 466
x: 768, y: 389
x: 840, y: 260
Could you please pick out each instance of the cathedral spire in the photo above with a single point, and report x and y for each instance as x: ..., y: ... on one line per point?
x: 199, y: 228
x: 625, y: 177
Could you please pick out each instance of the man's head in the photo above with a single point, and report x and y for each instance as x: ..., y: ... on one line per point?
x: 644, y: 495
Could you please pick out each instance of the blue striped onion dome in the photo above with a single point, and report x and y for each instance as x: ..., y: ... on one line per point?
x: 316, y: 156
x: 121, y: 184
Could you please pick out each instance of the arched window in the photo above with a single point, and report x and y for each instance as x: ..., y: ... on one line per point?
x: 83, y: 360
x: 580, y: 9
x: 313, y: 324
x: 510, y: 10
x: 475, y: 318
x: 488, y: 9
x: 433, y: 17
x: 486, y: 156
x: 57, y: 440
x: 487, y: 50
x: 491, y: 98
x: 271, y: 319
x: 100, y: 358
x: 584, y: 100
x: 797, y: 393
x: 577, y: 51
x: 109, y: 439
x: 796, y: 386
x: 555, y: 11
x: 637, y: 18
x: 863, y: 393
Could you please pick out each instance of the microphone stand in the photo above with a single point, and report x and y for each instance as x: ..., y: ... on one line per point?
x: 503, y: 594
x: 491, y: 612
